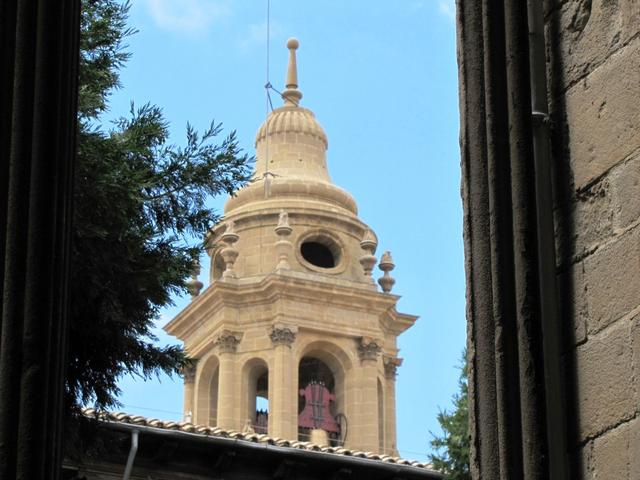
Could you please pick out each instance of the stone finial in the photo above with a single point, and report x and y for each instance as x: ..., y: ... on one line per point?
x: 391, y: 365
x: 194, y: 286
x: 283, y: 227
x: 291, y: 94
x: 281, y: 335
x: 368, y: 260
x: 229, y: 253
x: 369, y: 349
x: 227, y: 341
x: 284, y: 247
x: 369, y: 242
x: 386, y: 265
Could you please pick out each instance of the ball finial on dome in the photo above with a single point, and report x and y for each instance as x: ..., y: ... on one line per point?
x: 291, y: 94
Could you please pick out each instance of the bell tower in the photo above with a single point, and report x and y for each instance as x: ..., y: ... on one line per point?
x: 292, y: 313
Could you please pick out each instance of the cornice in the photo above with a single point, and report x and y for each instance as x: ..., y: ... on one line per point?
x: 291, y: 286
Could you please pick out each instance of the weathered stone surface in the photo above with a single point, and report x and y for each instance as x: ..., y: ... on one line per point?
x: 625, y: 182
x: 594, y: 215
x: 635, y: 366
x: 603, y: 374
x: 603, y: 114
x: 611, y: 454
x: 574, y: 305
x: 634, y: 448
x: 613, y: 280
x: 583, y: 461
x: 604, y: 208
x: 592, y: 31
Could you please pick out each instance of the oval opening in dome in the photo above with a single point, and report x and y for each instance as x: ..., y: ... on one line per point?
x: 318, y: 254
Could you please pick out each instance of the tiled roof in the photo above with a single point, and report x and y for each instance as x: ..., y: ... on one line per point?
x: 206, y: 431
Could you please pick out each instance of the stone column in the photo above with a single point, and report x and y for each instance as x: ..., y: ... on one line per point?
x: 227, y: 343
x: 189, y: 377
x: 367, y: 410
x: 391, y: 365
x: 283, y: 406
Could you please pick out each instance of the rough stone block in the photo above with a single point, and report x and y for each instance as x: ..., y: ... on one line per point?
x: 625, y: 182
x: 635, y: 345
x: 574, y: 303
x: 603, y: 114
x: 592, y: 31
x: 612, y: 276
x: 603, y: 368
x: 611, y: 454
x: 583, y: 461
x: 634, y: 448
x: 594, y: 216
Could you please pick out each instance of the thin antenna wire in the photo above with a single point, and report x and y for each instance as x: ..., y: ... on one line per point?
x: 268, y: 104
x: 268, y: 29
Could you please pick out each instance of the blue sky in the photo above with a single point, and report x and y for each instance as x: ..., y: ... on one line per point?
x: 381, y: 78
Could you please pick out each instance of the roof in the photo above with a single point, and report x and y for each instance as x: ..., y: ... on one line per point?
x: 214, y: 434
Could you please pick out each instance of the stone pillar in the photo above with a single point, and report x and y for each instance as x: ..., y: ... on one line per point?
x: 227, y: 343
x: 391, y: 365
x: 283, y: 407
x: 189, y: 377
x: 366, y: 430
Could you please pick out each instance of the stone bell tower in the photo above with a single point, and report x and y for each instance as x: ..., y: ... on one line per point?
x: 292, y: 313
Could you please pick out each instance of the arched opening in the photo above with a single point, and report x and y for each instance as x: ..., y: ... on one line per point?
x: 318, y: 405
x: 318, y: 254
x: 217, y: 267
x: 256, y: 395
x: 213, y: 398
x: 207, y: 393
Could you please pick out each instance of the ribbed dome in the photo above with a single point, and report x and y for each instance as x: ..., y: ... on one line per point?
x: 292, y: 119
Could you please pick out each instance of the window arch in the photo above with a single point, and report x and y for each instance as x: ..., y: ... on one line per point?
x: 206, y: 401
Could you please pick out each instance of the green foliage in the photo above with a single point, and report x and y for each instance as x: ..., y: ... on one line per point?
x: 139, y: 203
x: 452, y: 448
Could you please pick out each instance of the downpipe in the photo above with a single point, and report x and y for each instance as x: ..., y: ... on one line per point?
x: 132, y: 454
x: 550, y: 318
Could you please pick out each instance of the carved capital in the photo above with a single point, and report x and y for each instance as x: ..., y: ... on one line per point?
x: 227, y: 341
x: 282, y: 336
x: 391, y: 365
x: 189, y: 372
x: 369, y: 349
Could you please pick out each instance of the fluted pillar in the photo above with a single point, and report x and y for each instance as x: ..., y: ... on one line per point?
x: 227, y: 343
x: 391, y: 365
x: 367, y: 401
x: 39, y: 49
x: 283, y: 406
x: 189, y: 378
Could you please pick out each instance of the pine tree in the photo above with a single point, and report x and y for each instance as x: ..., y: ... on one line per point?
x: 139, y: 203
x: 452, y: 448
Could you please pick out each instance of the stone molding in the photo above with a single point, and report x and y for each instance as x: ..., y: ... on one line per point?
x: 369, y: 349
x: 227, y: 341
x: 391, y: 365
x: 281, y: 335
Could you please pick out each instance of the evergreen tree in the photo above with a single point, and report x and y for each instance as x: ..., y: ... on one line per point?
x: 452, y: 448
x: 139, y: 203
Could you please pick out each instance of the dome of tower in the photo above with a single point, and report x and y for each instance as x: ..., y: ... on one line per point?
x: 293, y: 120
x: 291, y: 159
